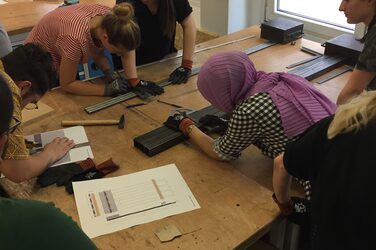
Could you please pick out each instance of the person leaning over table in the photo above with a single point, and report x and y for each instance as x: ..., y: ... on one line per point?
x: 28, y: 224
x: 364, y: 74
x: 267, y: 109
x: 6, y: 46
x: 338, y: 155
x: 157, y: 21
x: 75, y: 33
x: 28, y: 71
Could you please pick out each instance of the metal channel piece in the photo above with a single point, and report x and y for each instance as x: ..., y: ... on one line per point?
x: 121, y: 98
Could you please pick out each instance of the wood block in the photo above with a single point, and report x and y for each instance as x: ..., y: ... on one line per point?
x: 31, y: 115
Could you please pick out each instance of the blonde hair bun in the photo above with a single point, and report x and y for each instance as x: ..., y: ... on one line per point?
x: 123, y: 11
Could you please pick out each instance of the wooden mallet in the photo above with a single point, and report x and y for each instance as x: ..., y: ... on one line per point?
x: 119, y: 122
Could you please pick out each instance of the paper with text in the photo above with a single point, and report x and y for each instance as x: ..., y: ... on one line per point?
x: 80, y: 152
x: 112, y: 204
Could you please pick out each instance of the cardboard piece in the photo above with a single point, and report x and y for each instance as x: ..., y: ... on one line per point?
x: 167, y: 232
x: 32, y: 114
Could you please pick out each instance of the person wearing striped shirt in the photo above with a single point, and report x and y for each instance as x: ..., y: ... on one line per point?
x: 75, y: 33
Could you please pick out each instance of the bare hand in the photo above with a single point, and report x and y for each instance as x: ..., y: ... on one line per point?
x: 58, y: 148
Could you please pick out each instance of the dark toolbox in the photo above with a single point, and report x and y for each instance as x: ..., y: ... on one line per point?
x: 163, y: 138
x: 346, y: 46
x: 281, y: 30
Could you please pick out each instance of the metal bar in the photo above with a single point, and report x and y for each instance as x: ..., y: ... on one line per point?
x: 310, y: 51
x: 163, y: 83
x: 302, y: 62
x: 164, y: 138
x: 199, y: 50
x: 334, y: 75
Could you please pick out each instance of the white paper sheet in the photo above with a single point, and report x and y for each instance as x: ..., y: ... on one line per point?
x: 82, y: 150
x: 3, y: 2
x: 112, y: 204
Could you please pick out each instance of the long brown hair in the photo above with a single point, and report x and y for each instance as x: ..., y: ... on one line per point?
x: 167, y: 17
x: 121, y: 28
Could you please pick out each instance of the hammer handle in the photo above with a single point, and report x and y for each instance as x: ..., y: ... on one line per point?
x: 89, y: 122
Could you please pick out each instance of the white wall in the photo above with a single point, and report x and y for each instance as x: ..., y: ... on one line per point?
x: 226, y: 16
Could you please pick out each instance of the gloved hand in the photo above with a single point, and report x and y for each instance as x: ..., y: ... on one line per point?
x: 214, y: 123
x: 146, y: 89
x: 109, y: 75
x: 117, y: 87
x: 296, y: 210
x: 179, y: 122
x: 182, y: 73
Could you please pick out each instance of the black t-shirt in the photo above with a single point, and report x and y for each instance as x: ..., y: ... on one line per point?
x: 154, y: 45
x: 342, y: 170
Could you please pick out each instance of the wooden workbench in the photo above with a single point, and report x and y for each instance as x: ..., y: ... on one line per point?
x: 235, y: 197
x: 20, y: 16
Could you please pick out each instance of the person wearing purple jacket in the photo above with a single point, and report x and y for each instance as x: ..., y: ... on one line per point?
x: 267, y: 110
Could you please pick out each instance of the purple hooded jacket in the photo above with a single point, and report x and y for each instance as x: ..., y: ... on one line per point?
x: 228, y: 78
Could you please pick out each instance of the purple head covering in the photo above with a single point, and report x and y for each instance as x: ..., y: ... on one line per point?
x: 226, y: 79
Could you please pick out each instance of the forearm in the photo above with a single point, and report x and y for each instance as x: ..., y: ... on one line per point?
x: 281, y: 180
x: 189, y: 38
x: 22, y: 170
x: 357, y: 82
x: 129, y: 64
x: 203, y: 141
x: 102, y: 62
x: 82, y: 88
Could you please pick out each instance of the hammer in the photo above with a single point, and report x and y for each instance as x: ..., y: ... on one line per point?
x: 119, y: 122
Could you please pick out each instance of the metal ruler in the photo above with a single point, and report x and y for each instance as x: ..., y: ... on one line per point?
x: 163, y: 83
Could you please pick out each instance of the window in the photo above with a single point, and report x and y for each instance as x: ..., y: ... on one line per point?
x: 322, y: 19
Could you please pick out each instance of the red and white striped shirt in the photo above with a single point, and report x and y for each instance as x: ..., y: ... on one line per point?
x: 66, y: 32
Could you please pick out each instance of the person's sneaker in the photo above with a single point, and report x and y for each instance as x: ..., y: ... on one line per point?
x: 300, y: 211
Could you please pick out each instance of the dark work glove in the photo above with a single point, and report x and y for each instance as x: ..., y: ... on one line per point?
x: 179, y: 122
x: 55, y: 174
x: 88, y: 174
x: 109, y: 75
x: 117, y: 87
x: 297, y: 210
x: 214, y: 123
x: 146, y: 89
x: 180, y: 75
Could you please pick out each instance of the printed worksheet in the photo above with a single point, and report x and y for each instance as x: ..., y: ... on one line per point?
x: 80, y: 152
x: 112, y: 204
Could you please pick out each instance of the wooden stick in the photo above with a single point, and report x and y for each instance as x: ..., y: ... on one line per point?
x: 89, y: 122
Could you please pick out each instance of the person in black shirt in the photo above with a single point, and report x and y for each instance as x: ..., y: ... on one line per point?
x: 157, y: 22
x: 338, y: 155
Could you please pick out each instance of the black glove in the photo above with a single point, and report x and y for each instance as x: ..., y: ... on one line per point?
x: 109, y: 75
x: 58, y: 174
x: 117, y: 87
x: 146, y: 89
x: 179, y: 122
x: 296, y: 210
x: 214, y: 123
x: 180, y: 75
x: 88, y: 174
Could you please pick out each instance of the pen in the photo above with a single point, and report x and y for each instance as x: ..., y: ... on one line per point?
x: 134, y: 105
x: 171, y: 104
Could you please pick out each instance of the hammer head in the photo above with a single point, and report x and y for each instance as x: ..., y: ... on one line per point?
x: 121, y: 122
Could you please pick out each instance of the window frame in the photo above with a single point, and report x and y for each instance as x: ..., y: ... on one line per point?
x: 314, y: 30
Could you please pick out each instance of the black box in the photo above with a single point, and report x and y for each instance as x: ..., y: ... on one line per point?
x: 346, y: 46
x: 281, y: 30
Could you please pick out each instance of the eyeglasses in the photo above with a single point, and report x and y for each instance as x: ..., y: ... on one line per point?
x: 31, y: 105
x: 15, y: 123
